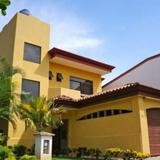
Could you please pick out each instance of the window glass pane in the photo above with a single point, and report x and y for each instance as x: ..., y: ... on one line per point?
x: 101, y: 114
x: 32, y: 53
x: 31, y: 87
x: 77, y: 79
x: 89, y: 116
x: 95, y: 115
x: 125, y: 111
x: 108, y: 112
x: 116, y: 111
x: 85, y: 86
x: 75, y: 85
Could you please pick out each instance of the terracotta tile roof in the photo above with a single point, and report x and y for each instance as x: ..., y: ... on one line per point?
x: 108, y: 95
x: 64, y: 98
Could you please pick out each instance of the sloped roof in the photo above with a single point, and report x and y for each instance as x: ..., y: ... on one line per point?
x: 139, y: 64
x: 71, y: 56
x: 108, y: 95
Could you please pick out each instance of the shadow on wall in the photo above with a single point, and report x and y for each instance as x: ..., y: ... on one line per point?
x: 43, y: 68
x: 3, y: 126
x: 27, y: 138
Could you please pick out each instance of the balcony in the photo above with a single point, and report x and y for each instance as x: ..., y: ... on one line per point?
x: 53, y: 92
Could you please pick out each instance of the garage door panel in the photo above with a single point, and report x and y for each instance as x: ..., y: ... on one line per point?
x: 153, y: 116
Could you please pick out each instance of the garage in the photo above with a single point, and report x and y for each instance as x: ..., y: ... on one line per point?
x: 153, y: 116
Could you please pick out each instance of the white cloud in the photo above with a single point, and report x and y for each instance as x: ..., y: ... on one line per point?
x: 74, y: 35
x: 78, y: 42
x: 68, y: 30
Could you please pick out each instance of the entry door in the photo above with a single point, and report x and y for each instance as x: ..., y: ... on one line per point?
x: 153, y: 116
x: 60, y: 140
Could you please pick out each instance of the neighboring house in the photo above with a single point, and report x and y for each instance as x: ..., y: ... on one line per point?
x: 120, y: 117
x: 146, y: 72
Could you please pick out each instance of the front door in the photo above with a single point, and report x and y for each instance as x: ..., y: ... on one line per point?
x: 60, y: 140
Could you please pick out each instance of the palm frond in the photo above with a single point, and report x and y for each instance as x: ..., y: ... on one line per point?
x: 8, y: 97
x: 38, y: 114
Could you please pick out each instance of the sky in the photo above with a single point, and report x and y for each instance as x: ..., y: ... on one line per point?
x: 121, y: 33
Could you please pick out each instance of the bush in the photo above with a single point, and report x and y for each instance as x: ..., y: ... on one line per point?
x: 128, y: 154
x: 19, y: 150
x: 125, y: 154
x: 28, y: 157
x: 81, y: 151
x: 91, y: 151
x: 3, y: 139
x: 112, y: 152
x: 6, y: 154
x: 97, y: 152
x: 140, y: 155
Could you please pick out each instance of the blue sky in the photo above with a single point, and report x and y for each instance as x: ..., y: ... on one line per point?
x: 117, y: 32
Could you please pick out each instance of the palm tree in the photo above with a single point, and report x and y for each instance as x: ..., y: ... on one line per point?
x: 40, y: 113
x: 8, y: 96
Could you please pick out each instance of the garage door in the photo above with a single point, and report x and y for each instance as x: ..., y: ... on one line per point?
x: 153, y: 116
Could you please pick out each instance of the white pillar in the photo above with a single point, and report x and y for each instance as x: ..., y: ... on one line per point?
x: 43, y: 145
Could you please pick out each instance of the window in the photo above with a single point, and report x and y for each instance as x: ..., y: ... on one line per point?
x: 82, y: 85
x: 32, y: 53
x: 101, y: 114
x: 116, y: 111
x: 95, y: 114
x: 30, y: 87
x: 89, y: 116
x: 104, y: 113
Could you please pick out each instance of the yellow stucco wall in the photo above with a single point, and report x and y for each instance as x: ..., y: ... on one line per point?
x: 67, y: 72
x: 7, y: 37
x: 121, y: 130
x: 128, y: 130
x: 32, y: 30
x: 54, y: 92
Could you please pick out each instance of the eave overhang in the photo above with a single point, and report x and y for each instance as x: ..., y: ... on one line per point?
x: 62, y: 57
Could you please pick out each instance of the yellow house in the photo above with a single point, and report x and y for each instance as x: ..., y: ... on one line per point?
x: 122, y: 117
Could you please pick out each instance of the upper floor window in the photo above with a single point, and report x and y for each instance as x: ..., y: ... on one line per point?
x: 82, y: 85
x: 30, y: 87
x: 32, y: 53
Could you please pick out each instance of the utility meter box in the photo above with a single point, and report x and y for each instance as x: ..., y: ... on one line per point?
x: 43, y: 145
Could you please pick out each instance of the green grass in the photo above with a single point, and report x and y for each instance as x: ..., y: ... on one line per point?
x: 58, y: 158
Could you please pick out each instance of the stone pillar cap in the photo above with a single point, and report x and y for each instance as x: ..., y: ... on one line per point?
x: 44, y: 134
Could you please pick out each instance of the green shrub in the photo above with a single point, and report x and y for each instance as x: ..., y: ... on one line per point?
x: 28, y: 157
x: 3, y: 139
x: 19, y: 150
x: 97, y: 152
x: 6, y: 154
x: 125, y: 154
x: 113, y: 152
x: 140, y: 155
x: 129, y: 153
x: 91, y: 151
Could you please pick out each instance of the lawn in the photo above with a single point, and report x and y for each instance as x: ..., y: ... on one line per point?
x: 58, y: 158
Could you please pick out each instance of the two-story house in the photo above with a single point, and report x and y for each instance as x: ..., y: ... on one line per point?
x: 94, y: 118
